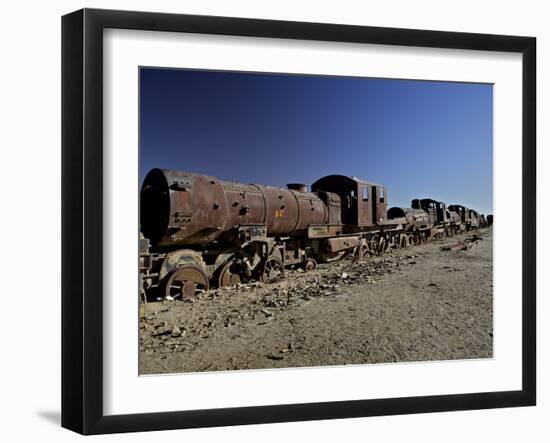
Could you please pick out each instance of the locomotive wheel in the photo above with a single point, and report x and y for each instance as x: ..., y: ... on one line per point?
x: 404, y: 241
x: 270, y: 269
x: 186, y: 281
x: 382, y: 246
x: 309, y: 264
x: 230, y: 274
x: 374, y: 244
x: 362, y: 251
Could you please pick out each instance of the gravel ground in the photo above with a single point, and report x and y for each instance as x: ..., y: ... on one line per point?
x: 415, y: 304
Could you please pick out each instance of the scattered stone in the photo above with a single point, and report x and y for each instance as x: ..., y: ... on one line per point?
x: 287, y: 349
x: 177, y: 332
x: 303, y: 295
x: 266, y: 312
x: 162, y: 333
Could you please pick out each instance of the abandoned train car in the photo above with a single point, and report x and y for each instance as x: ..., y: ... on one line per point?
x: 198, y: 231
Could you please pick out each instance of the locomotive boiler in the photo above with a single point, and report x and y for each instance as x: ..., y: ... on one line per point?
x: 184, y: 209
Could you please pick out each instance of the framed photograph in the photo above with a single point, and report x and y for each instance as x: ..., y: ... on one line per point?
x: 268, y: 221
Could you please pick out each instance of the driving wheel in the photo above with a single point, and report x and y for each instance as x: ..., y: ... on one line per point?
x: 271, y: 269
x: 186, y: 281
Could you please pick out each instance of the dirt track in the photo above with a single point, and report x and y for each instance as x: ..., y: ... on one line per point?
x: 419, y: 303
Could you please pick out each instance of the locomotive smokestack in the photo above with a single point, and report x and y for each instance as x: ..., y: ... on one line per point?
x: 300, y: 187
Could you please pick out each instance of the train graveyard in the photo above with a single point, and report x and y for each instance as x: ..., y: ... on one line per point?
x: 428, y: 302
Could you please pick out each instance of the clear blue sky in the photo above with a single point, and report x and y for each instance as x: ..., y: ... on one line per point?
x: 418, y: 138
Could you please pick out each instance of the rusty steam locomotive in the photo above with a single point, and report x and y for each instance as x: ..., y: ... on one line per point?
x: 198, y: 231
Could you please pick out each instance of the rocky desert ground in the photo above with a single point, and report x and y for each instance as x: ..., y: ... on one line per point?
x: 428, y: 302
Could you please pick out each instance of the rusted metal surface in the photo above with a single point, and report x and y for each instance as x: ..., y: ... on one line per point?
x: 337, y: 244
x: 270, y: 269
x: 474, y: 218
x: 233, y: 273
x: 323, y: 231
x: 282, y: 211
x: 436, y: 210
x: 462, y: 211
x: 180, y: 257
x: 465, y: 244
x: 185, y: 281
x: 309, y: 264
x: 180, y: 208
x: 482, y: 220
x: 409, y: 216
x: 362, y: 203
x: 333, y: 203
x: 200, y: 231
x: 453, y: 217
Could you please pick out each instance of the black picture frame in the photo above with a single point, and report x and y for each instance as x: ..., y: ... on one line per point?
x: 82, y: 216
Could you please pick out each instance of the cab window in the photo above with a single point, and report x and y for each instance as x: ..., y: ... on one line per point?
x: 365, y: 193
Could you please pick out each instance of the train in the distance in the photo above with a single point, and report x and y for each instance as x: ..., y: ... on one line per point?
x: 199, y: 232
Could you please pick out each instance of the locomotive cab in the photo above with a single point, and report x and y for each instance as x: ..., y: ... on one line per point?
x: 463, y: 211
x: 362, y: 203
x: 437, y: 210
